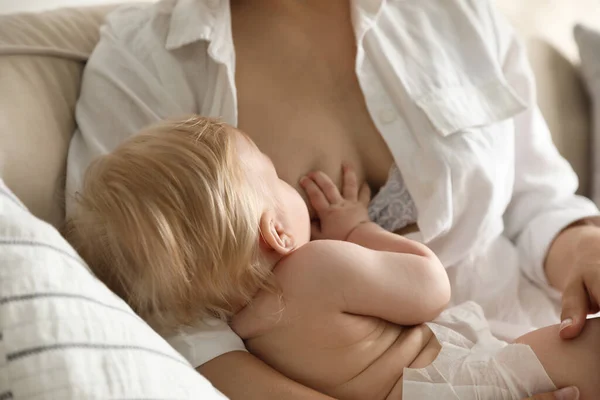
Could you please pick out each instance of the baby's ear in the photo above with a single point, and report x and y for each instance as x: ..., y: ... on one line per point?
x: 274, y: 237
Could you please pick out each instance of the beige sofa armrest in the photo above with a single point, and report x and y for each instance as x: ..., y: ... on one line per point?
x: 41, y: 63
x: 565, y: 105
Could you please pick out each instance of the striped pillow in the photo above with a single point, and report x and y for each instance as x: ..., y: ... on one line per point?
x: 64, y: 335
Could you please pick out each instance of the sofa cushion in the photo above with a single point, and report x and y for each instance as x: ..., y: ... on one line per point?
x: 588, y: 41
x: 41, y: 62
x: 563, y: 102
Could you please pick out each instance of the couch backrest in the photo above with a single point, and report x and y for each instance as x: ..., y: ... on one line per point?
x: 41, y: 62
x: 565, y: 105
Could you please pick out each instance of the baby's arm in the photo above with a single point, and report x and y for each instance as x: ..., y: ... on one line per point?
x: 402, y: 281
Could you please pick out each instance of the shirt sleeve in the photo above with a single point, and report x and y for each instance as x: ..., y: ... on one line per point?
x: 543, y: 201
x: 206, y: 341
x: 131, y: 81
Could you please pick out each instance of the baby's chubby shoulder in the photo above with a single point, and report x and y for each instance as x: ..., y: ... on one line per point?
x: 327, y: 247
x: 326, y: 251
x: 319, y: 259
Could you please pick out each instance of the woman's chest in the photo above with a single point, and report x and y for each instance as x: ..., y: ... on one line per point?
x: 313, y: 99
x: 299, y: 98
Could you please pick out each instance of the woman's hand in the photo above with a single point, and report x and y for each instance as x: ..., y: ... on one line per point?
x: 569, y: 393
x: 339, y: 213
x: 573, y: 267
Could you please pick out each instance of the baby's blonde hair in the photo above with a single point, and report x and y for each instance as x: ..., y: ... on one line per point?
x: 170, y: 222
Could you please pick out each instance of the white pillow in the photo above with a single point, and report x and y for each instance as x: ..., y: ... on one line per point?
x: 588, y: 41
x: 64, y: 335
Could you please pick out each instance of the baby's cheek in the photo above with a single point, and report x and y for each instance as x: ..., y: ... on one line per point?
x: 308, y: 211
x: 311, y: 211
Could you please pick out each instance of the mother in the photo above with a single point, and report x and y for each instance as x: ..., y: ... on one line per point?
x: 441, y: 89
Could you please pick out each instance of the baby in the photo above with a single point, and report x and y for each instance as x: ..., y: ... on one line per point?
x: 188, y: 219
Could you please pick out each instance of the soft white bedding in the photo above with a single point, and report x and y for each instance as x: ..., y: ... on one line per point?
x: 64, y: 335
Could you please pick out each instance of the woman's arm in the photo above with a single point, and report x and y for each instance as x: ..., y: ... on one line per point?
x: 543, y: 199
x: 555, y: 230
x: 240, y: 375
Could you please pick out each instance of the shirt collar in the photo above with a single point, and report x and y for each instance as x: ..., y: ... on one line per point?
x: 364, y: 14
x: 210, y: 20
x: 195, y: 20
x: 369, y: 8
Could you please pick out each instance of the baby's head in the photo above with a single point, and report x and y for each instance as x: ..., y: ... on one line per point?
x: 186, y: 220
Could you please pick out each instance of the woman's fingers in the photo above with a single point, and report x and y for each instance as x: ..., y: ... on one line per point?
x: 592, y: 283
x: 575, y: 306
x: 315, y: 194
x: 327, y: 187
x: 569, y: 393
x: 350, y: 184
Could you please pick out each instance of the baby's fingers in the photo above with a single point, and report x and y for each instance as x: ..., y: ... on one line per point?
x: 315, y: 194
x: 327, y: 187
x: 315, y: 231
x: 350, y: 184
x: 364, y: 197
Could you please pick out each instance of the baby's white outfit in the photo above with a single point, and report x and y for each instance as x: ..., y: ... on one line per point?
x: 473, y: 364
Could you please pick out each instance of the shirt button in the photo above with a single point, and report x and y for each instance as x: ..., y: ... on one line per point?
x: 387, y: 116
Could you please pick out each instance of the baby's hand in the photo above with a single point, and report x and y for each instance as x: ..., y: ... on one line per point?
x: 338, y: 213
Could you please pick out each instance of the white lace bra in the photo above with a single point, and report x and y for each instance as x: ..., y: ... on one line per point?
x: 392, y: 207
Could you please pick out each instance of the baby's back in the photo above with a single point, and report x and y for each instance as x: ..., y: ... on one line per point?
x: 309, y: 338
